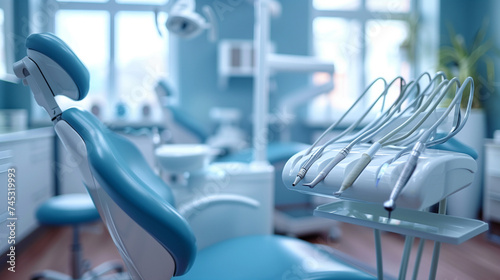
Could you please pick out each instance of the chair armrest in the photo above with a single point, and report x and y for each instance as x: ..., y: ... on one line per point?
x: 193, y: 208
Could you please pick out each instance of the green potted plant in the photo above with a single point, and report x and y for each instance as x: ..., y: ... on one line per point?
x: 460, y: 61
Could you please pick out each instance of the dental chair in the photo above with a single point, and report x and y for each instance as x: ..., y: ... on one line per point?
x: 154, y: 241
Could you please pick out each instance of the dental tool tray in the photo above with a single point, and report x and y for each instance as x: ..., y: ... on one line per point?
x: 430, y: 226
x: 438, y: 174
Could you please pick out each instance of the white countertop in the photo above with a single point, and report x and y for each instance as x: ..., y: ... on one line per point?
x: 27, y: 134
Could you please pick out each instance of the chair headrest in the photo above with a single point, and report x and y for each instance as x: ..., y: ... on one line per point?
x: 51, y: 46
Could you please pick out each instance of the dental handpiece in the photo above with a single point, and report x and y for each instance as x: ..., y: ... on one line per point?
x: 360, y: 136
x: 365, y: 159
x: 305, y: 167
x: 319, y: 152
x: 422, y: 143
x: 408, y: 169
x: 383, y: 168
x: 354, y: 174
x: 338, y: 158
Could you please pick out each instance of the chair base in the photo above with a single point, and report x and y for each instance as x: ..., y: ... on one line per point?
x: 99, y: 272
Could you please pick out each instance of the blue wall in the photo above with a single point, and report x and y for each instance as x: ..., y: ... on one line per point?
x: 493, y: 105
x: 196, y: 59
x: 17, y: 96
x: 467, y: 17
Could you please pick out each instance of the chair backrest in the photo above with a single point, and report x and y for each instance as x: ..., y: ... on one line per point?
x: 135, y: 204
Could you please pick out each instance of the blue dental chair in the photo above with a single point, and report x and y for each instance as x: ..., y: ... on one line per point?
x: 154, y: 241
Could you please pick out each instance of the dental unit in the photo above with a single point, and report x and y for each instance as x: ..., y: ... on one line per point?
x: 371, y: 132
x: 386, y: 140
x: 369, y: 128
x: 410, y: 159
x: 414, y: 115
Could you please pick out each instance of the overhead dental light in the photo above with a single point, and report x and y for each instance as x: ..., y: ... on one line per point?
x: 185, y: 22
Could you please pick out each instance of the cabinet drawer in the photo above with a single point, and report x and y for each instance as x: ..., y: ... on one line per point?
x: 492, y: 208
x: 492, y: 184
x: 492, y: 158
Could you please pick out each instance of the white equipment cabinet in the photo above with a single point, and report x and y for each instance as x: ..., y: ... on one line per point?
x: 31, y: 153
x: 491, y: 206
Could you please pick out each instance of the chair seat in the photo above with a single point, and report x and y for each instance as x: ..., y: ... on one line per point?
x: 269, y: 257
x: 67, y: 209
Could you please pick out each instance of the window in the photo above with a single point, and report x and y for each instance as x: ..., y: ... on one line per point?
x: 6, y: 40
x: 90, y: 42
x: 3, y: 52
x: 119, y: 43
x: 365, y: 39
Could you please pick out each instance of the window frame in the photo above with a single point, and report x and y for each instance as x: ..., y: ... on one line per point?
x: 6, y: 33
x: 363, y: 16
x: 49, y: 9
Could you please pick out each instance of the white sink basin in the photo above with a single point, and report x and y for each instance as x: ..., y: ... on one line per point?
x: 183, y: 157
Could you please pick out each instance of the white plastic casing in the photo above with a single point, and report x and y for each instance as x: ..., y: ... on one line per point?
x: 438, y: 174
x: 46, y: 79
x: 59, y: 80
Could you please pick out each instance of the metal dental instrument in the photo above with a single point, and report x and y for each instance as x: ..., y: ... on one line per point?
x: 411, y: 140
x: 416, y: 103
x: 419, y: 147
x: 368, y: 133
x: 303, y: 170
x: 317, y: 154
x: 384, y: 141
x: 386, y: 117
x: 373, y: 125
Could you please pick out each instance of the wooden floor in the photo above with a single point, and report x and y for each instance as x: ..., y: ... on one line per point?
x: 51, y: 250
x: 477, y: 258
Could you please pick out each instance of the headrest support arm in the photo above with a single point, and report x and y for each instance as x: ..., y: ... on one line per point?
x: 27, y: 70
